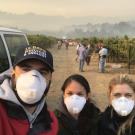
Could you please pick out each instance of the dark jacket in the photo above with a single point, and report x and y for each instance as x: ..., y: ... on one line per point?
x: 110, y: 121
x: 85, y: 125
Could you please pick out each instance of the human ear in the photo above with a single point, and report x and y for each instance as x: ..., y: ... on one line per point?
x: 12, y: 72
x: 88, y: 96
x: 13, y: 79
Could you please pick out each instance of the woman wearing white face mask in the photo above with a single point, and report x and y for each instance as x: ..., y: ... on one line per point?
x: 119, y: 117
x: 76, y: 114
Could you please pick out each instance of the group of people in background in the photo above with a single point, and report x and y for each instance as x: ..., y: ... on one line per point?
x: 23, y: 108
x: 62, y: 42
x: 84, y: 53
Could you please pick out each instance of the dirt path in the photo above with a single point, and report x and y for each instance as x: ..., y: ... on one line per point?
x: 65, y: 65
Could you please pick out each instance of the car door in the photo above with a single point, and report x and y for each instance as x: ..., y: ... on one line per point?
x: 14, y: 42
x: 4, y: 61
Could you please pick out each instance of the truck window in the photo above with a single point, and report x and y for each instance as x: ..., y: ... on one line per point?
x: 14, y: 41
x: 4, y: 63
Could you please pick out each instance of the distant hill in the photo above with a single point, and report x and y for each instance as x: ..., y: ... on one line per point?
x: 31, y: 21
x: 60, y: 26
x: 101, y: 30
x: 89, y: 30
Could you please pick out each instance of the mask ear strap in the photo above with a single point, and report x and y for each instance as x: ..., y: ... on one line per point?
x: 112, y: 112
x: 47, y: 88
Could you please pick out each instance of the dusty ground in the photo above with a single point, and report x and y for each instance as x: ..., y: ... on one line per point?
x: 65, y: 65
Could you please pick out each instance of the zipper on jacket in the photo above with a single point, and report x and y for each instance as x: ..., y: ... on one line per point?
x: 31, y: 125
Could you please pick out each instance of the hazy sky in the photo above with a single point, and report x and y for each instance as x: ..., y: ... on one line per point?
x: 68, y: 8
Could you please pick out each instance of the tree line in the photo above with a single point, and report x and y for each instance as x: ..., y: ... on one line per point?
x: 42, y: 41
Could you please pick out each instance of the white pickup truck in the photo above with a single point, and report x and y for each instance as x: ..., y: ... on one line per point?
x: 10, y: 41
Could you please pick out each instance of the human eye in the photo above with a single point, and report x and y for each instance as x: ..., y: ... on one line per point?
x: 26, y: 69
x: 116, y: 95
x: 128, y: 95
x: 69, y: 93
x: 80, y: 94
x: 44, y: 73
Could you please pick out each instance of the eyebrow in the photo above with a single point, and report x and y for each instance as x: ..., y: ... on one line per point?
x: 29, y: 66
x: 73, y: 92
x: 123, y: 93
x: 24, y: 65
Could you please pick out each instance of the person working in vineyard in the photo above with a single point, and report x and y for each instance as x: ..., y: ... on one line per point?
x: 102, y: 58
x: 81, y: 56
x: 88, y: 54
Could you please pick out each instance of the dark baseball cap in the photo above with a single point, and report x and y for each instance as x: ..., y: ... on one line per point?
x: 34, y: 52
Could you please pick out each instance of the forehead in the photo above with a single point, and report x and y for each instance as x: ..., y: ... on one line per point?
x: 33, y: 63
x: 74, y: 86
x: 122, y: 88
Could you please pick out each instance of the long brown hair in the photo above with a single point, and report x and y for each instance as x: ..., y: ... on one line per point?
x: 124, y: 79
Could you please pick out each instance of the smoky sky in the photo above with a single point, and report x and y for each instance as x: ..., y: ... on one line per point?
x: 69, y: 8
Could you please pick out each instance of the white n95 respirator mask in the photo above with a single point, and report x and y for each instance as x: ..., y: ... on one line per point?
x: 75, y: 103
x: 123, y: 106
x: 30, y: 87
